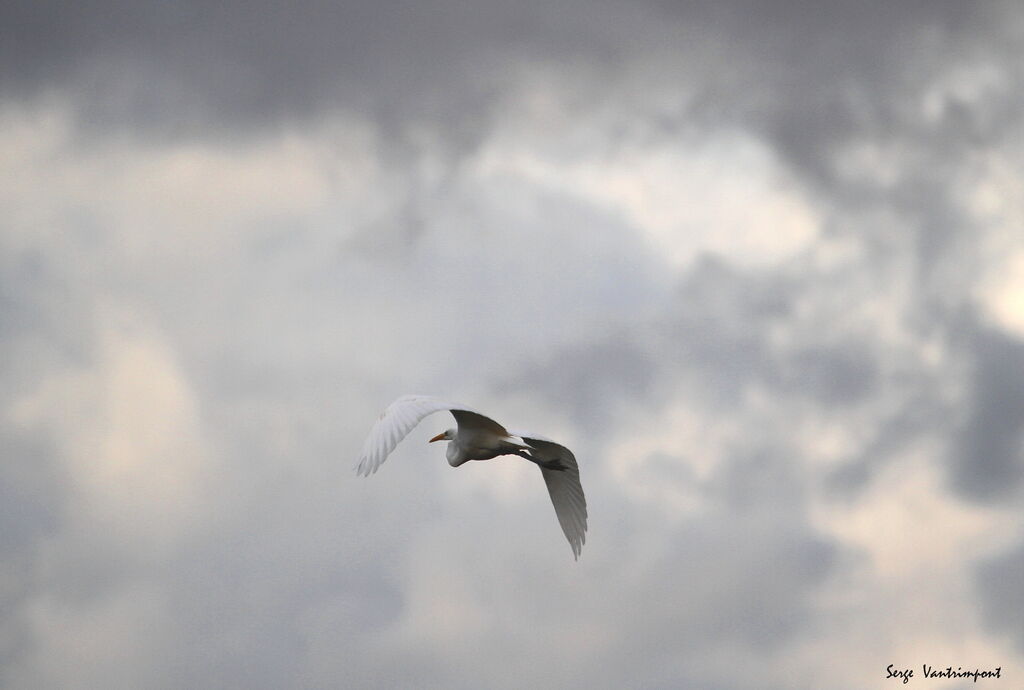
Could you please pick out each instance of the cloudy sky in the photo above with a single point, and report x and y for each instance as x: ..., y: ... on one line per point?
x: 761, y: 265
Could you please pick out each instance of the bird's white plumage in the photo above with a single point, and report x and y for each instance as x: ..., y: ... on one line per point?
x: 395, y: 423
x: 479, y: 438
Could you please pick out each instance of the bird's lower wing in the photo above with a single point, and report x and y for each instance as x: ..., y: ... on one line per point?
x: 564, y: 488
x: 394, y: 424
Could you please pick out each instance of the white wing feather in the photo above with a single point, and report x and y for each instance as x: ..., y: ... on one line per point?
x: 400, y: 418
x: 394, y: 424
x: 564, y: 488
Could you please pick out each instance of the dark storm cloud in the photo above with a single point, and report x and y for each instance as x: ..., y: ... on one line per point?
x: 184, y: 67
x: 812, y: 74
x: 828, y: 72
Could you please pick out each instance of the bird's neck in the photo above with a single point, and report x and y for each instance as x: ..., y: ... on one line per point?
x: 456, y: 456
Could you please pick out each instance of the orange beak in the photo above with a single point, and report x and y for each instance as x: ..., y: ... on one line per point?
x: 439, y: 437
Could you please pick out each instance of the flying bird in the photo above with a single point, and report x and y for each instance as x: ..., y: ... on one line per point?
x: 478, y: 437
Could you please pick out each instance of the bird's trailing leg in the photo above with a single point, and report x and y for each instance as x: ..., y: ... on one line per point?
x: 555, y: 464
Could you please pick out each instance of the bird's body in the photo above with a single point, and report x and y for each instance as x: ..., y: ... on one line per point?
x: 479, y: 437
x: 477, y: 444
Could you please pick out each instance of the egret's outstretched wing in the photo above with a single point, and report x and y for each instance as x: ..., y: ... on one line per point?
x: 564, y: 488
x: 400, y: 418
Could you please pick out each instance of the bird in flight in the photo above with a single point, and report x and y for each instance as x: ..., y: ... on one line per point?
x: 478, y: 437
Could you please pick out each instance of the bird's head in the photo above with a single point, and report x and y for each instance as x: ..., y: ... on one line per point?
x: 446, y: 435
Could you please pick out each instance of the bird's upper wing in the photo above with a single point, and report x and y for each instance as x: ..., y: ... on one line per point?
x: 468, y: 419
x: 564, y: 488
x: 398, y: 420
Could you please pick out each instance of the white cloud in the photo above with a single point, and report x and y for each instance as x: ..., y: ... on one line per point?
x: 130, y: 434
x: 725, y: 194
x: 148, y: 204
x: 994, y: 197
x: 1002, y: 294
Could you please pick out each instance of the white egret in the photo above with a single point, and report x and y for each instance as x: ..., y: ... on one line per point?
x: 479, y: 437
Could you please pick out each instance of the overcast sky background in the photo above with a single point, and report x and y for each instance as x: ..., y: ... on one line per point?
x: 761, y: 265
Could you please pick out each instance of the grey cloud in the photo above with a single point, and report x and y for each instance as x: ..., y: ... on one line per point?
x: 833, y: 375
x: 36, y: 307
x: 592, y: 384
x: 988, y: 451
x: 741, y: 575
x: 921, y: 415
x: 811, y: 72
x: 814, y: 80
x: 184, y: 68
x: 713, y: 343
x: 713, y: 338
x: 1002, y: 598
x: 710, y: 327
x: 858, y: 69
x: 32, y: 498
x: 25, y: 482
x: 767, y: 576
